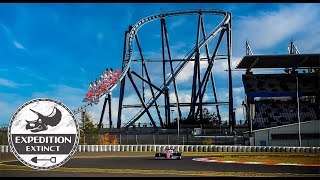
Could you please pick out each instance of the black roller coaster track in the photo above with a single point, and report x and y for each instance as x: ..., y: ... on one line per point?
x: 199, y: 84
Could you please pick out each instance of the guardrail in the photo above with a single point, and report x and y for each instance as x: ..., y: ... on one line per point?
x: 186, y: 148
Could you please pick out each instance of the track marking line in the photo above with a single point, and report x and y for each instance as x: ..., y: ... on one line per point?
x: 244, y: 162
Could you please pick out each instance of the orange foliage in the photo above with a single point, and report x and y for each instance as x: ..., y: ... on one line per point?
x: 108, y: 140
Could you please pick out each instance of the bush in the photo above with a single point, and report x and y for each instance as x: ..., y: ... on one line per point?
x: 208, y: 141
x: 108, y: 140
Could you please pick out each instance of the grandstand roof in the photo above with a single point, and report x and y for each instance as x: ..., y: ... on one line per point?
x: 280, y: 61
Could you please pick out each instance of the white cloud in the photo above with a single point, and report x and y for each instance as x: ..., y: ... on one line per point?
x: 18, y: 45
x: 238, y: 97
x: 68, y: 95
x: 307, y: 42
x: 82, y: 69
x: 268, y: 28
x: 9, y: 103
x: 176, y: 23
x: 9, y: 108
x: 220, y: 68
x: 5, y: 28
x: 8, y: 83
x: 13, y: 40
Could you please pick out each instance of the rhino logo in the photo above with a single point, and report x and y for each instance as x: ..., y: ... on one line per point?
x: 41, y: 124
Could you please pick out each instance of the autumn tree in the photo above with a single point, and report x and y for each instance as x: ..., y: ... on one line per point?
x: 108, y: 139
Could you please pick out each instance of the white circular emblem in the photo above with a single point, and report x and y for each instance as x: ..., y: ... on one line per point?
x: 43, y: 134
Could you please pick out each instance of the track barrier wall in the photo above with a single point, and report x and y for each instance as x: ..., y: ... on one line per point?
x: 186, y: 148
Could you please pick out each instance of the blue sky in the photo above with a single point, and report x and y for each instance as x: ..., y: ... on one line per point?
x: 56, y: 50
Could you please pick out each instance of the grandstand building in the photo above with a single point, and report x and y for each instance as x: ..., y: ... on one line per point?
x: 278, y: 105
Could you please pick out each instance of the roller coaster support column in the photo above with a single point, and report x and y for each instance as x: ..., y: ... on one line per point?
x: 138, y: 93
x: 144, y: 67
x: 205, y: 78
x: 166, y: 94
x: 102, y: 113
x: 110, y: 116
x: 123, y: 82
x: 197, y: 57
x: 167, y: 105
x: 211, y: 75
x: 229, y: 41
x: 171, y: 68
x: 196, y: 76
x: 317, y: 100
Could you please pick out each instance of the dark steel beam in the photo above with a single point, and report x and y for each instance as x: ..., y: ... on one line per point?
x: 167, y: 112
x: 198, y: 61
x: 145, y: 69
x: 178, y: 69
x: 215, y: 97
x: 229, y: 41
x: 121, y: 95
x: 140, y: 98
x: 211, y: 75
x: 110, y: 115
x: 142, y: 63
x: 102, y: 113
x: 194, y: 88
x: 171, y: 68
x: 167, y: 105
x: 153, y: 96
x: 173, y: 60
x: 142, y: 113
x: 180, y: 104
x: 122, y: 85
x: 205, y: 78
x: 252, y: 65
x: 152, y: 85
x: 196, y: 73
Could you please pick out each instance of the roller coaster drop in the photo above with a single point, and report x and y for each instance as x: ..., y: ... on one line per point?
x: 199, y: 84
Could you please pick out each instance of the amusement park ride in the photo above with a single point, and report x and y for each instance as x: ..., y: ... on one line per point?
x: 95, y: 89
x: 199, y: 82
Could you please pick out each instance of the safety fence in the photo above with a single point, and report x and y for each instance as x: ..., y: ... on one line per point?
x: 187, y: 148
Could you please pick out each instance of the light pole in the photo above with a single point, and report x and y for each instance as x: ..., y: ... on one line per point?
x: 172, y: 114
x: 177, y: 121
x: 298, y: 102
x: 178, y: 126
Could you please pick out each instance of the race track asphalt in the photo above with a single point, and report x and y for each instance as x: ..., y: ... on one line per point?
x: 149, y: 163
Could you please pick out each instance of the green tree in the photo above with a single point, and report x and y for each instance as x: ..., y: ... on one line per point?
x: 89, y: 129
x: 3, y: 138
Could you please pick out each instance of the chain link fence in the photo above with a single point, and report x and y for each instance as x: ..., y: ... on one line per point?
x: 172, y: 139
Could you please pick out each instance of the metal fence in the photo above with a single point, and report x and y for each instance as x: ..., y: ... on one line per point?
x: 186, y: 148
x: 124, y: 139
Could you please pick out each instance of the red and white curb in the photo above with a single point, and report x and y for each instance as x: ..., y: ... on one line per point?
x: 242, y: 162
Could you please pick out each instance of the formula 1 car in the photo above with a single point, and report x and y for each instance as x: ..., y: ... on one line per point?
x: 168, y: 154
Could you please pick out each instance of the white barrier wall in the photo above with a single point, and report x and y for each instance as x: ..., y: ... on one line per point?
x: 186, y: 148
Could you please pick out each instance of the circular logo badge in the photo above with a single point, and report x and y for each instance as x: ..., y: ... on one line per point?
x: 43, y: 134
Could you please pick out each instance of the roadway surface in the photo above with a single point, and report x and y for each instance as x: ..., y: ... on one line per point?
x: 147, y: 162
